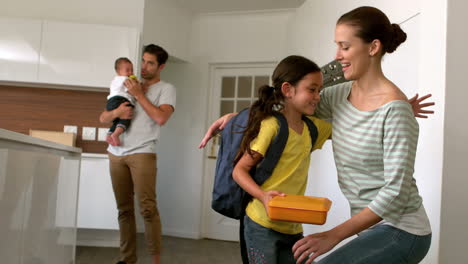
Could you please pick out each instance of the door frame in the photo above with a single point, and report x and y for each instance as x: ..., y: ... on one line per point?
x: 206, y: 187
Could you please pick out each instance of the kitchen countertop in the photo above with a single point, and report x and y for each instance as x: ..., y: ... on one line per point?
x: 14, y: 137
x: 94, y: 155
x: 25, y: 139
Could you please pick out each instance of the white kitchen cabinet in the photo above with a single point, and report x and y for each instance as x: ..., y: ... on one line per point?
x: 84, y: 54
x: 96, y: 205
x: 20, y: 41
x: 97, y: 210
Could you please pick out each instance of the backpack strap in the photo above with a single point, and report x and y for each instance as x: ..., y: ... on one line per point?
x: 273, y: 154
x: 312, y: 129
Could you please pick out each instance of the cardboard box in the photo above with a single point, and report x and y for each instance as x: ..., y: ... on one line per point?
x: 299, y: 209
x: 55, y: 136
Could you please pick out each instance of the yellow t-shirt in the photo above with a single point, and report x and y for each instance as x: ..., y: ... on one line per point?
x: 290, y: 174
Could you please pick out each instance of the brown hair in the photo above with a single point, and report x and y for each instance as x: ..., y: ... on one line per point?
x: 160, y: 53
x: 371, y: 24
x: 291, y: 69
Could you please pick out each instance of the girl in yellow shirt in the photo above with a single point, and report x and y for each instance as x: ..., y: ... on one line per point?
x: 295, y: 92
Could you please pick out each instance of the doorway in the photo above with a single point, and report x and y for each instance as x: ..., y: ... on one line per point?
x: 233, y: 88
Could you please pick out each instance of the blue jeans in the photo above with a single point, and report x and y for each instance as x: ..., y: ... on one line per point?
x: 266, y: 246
x: 381, y: 244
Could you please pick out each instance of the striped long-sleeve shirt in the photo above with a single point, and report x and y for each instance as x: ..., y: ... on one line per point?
x: 374, y: 154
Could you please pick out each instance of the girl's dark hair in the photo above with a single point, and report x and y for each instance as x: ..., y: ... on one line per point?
x: 291, y: 69
x: 371, y: 23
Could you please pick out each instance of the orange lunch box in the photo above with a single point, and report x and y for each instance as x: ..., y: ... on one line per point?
x: 299, y: 208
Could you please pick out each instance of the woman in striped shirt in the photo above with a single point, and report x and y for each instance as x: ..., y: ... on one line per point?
x: 374, y: 140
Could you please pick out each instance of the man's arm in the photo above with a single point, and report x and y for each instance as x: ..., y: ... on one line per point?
x: 124, y: 111
x: 159, y: 114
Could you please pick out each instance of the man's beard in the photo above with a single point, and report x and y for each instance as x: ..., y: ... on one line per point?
x: 147, y: 76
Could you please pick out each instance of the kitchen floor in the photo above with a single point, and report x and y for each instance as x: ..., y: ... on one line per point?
x: 175, y: 251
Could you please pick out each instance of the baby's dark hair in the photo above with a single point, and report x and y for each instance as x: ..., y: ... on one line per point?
x: 160, y: 53
x: 291, y: 69
x: 371, y: 23
x: 120, y: 61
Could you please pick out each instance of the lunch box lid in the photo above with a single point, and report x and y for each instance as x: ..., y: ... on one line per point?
x: 301, y: 202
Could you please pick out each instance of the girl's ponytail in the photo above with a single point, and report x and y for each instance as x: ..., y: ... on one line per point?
x: 269, y: 101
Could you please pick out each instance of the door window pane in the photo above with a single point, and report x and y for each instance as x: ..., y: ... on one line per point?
x: 241, y: 104
x: 228, y: 87
x: 226, y: 107
x: 244, y: 89
x: 259, y: 81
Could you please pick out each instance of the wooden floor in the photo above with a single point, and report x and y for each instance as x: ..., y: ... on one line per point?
x: 175, y: 251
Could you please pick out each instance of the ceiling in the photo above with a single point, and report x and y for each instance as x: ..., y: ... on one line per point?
x: 212, y: 6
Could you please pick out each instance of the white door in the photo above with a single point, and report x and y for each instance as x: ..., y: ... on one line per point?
x: 233, y: 87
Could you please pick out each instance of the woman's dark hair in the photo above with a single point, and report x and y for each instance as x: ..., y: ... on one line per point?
x: 371, y: 23
x: 291, y: 69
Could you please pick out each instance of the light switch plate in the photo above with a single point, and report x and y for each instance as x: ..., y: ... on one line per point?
x: 89, y: 133
x: 102, y: 133
x: 70, y: 129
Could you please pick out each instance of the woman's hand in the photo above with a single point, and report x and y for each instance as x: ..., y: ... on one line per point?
x: 267, y: 196
x: 418, y: 107
x: 215, y: 128
x: 317, y: 244
x: 314, y: 245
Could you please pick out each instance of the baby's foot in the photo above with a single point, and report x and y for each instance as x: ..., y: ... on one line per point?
x: 110, y: 140
x: 116, y: 139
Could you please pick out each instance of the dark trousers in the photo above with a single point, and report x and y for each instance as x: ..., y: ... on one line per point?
x: 113, y: 103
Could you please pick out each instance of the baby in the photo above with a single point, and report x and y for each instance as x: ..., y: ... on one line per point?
x: 118, y: 95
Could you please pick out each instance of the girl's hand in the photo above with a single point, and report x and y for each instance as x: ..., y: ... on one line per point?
x: 314, y: 245
x: 267, y: 196
x: 418, y: 107
x: 215, y: 128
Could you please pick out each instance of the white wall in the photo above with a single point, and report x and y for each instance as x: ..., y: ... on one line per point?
x: 179, y: 160
x: 240, y: 37
x: 106, y: 12
x: 454, y: 212
x: 313, y: 36
x: 430, y: 148
x: 168, y: 25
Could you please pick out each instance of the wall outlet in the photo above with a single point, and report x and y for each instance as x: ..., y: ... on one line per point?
x: 88, y: 133
x: 102, y: 133
x: 70, y: 129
